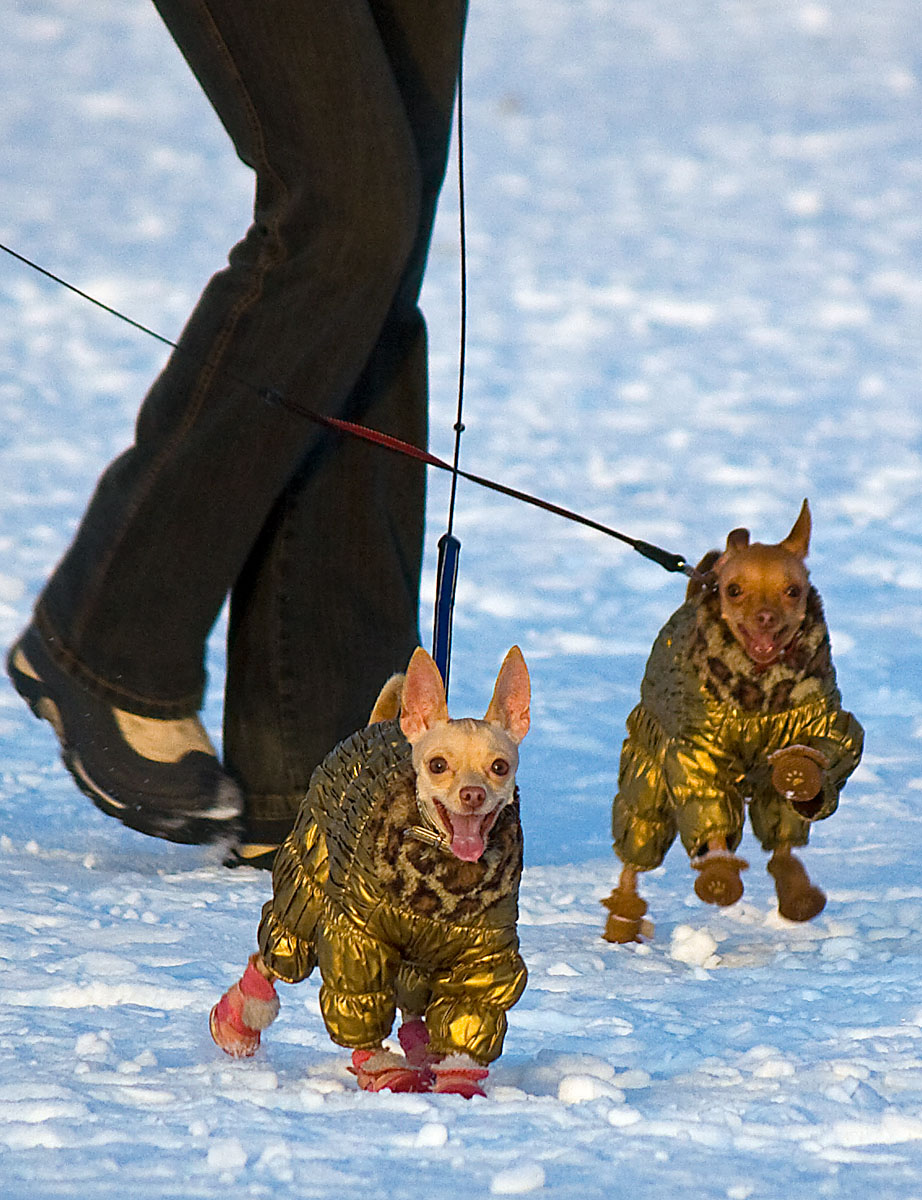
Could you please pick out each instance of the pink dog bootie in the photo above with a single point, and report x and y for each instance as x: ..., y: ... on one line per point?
x: 459, y: 1075
x: 383, y: 1071
x: 244, y: 1010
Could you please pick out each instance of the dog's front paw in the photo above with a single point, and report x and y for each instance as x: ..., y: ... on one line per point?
x: 626, y: 912
x: 244, y: 1010
x: 718, y: 879
x: 797, y: 773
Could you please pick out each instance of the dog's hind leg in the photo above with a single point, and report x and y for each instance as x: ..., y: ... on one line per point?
x: 414, y: 1041
x: 626, y: 911
x: 798, y: 898
x: 382, y: 1071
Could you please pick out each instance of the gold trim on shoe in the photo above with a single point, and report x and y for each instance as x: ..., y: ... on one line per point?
x: 254, y: 850
x: 22, y: 664
x: 163, y: 741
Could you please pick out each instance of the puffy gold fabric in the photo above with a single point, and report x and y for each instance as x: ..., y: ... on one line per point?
x: 691, y: 761
x: 390, y: 919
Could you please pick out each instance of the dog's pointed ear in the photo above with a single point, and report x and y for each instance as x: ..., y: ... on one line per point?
x: 798, y: 540
x: 422, y: 702
x: 509, y: 707
x: 737, y: 539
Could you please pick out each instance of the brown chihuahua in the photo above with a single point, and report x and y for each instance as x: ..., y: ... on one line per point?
x: 739, y: 702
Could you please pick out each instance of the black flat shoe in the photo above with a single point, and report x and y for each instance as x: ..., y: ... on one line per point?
x: 161, y: 778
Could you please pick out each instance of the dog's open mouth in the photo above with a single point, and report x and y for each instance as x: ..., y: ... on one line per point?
x: 467, y: 832
x: 764, y: 648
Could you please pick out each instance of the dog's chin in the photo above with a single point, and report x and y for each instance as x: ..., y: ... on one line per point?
x: 762, y: 648
x: 467, y: 833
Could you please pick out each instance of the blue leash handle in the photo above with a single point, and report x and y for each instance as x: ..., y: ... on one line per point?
x: 445, y: 580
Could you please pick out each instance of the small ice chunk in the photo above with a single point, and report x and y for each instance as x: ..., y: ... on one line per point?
x: 262, y: 1081
x: 431, y: 1135
x: 575, y: 1089
x: 227, y: 1154
x: 695, y: 947
x: 841, y: 948
x: 633, y: 1078
x: 516, y: 1181
x: 774, y: 1068
x: 622, y: 1116
x: 91, y: 1045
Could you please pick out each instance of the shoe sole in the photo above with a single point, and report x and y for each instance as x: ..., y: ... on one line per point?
x: 217, y: 824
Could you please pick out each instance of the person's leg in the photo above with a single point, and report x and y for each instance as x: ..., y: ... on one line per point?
x: 327, y: 606
x: 308, y: 96
x: 325, y: 610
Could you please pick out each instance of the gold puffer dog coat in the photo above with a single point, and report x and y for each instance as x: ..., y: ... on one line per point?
x: 708, y: 718
x: 363, y: 888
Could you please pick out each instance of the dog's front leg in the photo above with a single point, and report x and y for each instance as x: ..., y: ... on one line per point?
x: 719, y: 870
x: 245, y: 1010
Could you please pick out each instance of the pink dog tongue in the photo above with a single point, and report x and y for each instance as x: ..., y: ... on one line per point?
x: 466, y: 837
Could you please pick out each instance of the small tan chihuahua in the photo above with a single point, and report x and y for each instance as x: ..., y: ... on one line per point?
x: 739, y: 702
x: 400, y: 879
x: 465, y: 768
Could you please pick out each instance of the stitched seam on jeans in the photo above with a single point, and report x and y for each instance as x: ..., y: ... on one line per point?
x: 210, y: 367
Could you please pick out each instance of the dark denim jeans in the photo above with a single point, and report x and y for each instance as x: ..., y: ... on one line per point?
x: 343, y: 109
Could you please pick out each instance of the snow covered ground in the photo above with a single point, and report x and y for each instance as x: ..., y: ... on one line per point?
x: 696, y: 296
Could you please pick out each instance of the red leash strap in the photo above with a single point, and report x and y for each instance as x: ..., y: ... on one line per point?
x: 665, y: 559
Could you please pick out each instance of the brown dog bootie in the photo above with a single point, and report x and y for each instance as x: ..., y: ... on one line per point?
x: 718, y: 879
x: 625, y: 917
x: 798, y: 898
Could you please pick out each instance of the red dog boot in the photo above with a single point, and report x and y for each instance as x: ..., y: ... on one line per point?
x: 719, y: 880
x: 458, y: 1075
x: 382, y: 1071
x: 247, y: 1008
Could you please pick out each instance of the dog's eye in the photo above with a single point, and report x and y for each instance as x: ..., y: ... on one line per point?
x: 793, y: 591
x: 500, y: 767
x: 734, y: 590
x: 438, y: 765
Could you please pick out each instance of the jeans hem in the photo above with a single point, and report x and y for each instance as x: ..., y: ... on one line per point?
x: 119, y: 697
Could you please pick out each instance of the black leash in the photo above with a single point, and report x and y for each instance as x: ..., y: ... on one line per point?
x: 663, y: 558
x: 446, y: 572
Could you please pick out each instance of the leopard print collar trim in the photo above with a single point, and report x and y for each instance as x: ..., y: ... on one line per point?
x: 729, y: 676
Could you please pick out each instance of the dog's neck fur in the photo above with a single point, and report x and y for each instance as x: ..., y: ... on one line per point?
x: 729, y: 675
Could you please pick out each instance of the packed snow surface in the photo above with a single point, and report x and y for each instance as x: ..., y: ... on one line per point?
x: 694, y: 238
